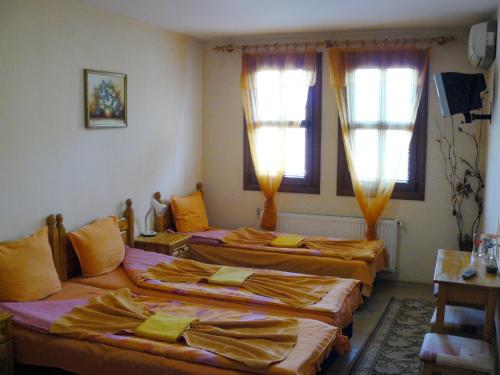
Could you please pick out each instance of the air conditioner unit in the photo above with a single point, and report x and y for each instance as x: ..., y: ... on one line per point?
x: 482, y: 44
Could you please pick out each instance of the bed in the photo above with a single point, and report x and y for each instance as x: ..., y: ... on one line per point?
x: 336, y: 307
x: 203, y: 248
x: 34, y: 346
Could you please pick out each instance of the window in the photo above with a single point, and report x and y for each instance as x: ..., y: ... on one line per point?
x: 382, y: 100
x: 303, y: 147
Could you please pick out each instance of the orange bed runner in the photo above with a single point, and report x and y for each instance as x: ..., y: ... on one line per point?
x: 302, y: 260
x: 257, y: 343
x: 331, y: 247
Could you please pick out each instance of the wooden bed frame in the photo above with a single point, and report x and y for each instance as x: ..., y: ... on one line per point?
x: 65, y: 258
x: 166, y: 221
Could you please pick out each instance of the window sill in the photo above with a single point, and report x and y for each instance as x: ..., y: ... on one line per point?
x: 399, y: 195
x: 285, y: 188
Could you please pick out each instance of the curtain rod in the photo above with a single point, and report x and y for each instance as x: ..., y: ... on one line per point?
x: 440, y: 40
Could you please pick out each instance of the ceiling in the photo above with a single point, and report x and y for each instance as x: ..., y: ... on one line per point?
x: 213, y: 19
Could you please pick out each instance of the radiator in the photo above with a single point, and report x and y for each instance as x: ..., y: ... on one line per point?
x: 343, y: 227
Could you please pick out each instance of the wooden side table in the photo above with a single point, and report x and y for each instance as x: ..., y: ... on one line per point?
x: 479, y: 292
x: 6, y: 353
x: 173, y: 244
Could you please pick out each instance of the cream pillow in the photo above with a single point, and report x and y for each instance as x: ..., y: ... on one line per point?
x: 99, y: 246
x: 27, y: 271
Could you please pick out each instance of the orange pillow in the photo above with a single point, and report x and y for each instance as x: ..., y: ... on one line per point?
x: 99, y: 246
x: 27, y: 271
x: 189, y: 213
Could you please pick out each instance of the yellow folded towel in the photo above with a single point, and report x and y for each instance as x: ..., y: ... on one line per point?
x: 229, y: 276
x: 164, y: 327
x: 290, y: 241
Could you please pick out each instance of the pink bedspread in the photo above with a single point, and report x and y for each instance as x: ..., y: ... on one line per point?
x: 209, y: 237
x: 313, y: 343
x: 39, y: 315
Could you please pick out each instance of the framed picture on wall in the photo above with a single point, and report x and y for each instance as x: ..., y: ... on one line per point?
x: 105, y: 99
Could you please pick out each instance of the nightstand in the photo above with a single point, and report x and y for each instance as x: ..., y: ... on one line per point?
x: 6, y: 355
x: 173, y: 244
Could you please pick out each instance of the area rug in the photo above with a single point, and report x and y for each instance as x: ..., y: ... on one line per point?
x: 394, y: 345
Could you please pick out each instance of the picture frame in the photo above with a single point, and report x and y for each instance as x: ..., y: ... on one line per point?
x: 105, y: 99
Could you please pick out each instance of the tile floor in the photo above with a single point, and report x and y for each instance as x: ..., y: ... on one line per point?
x: 369, y: 314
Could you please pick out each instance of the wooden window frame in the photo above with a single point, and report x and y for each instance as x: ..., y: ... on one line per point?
x: 311, y: 183
x: 415, y: 188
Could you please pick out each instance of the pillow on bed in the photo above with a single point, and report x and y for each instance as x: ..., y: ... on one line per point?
x: 27, y: 271
x: 189, y: 213
x: 99, y: 246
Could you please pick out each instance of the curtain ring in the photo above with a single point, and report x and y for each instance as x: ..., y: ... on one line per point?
x: 276, y: 46
x: 295, y: 45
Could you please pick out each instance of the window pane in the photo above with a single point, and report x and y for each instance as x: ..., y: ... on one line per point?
x: 268, y: 85
x: 296, y: 153
x: 295, y: 89
x: 400, y: 94
x: 268, y: 150
x: 366, y: 154
x: 394, y: 141
x: 295, y: 149
x: 365, y: 95
x: 281, y: 96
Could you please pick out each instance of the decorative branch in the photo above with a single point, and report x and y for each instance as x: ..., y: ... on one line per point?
x: 463, y: 176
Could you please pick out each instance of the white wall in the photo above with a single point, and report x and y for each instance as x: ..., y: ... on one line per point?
x: 492, y: 196
x: 429, y: 225
x: 49, y: 162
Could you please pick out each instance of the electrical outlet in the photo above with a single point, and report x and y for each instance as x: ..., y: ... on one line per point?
x: 258, y: 211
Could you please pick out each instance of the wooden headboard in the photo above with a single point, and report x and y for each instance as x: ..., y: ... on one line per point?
x: 65, y: 259
x: 166, y: 221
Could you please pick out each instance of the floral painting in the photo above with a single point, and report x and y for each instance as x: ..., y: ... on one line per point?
x: 105, y: 99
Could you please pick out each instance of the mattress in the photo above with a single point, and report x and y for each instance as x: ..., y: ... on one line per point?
x: 273, y: 258
x: 335, y: 308
x: 36, y: 348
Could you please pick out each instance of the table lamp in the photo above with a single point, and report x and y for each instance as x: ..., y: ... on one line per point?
x: 159, y: 209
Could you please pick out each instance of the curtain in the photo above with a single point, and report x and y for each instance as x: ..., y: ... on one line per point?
x: 378, y: 92
x: 274, y: 88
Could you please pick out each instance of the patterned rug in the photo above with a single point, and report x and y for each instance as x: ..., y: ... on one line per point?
x: 394, y: 345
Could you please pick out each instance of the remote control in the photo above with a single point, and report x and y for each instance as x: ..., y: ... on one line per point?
x: 469, y: 273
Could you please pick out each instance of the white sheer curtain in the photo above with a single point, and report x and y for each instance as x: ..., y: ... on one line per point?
x: 274, y: 87
x: 378, y: 92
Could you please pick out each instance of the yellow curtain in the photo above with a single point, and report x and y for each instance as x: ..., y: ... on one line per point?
x: 267, y: 81
x: 383, y: 65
